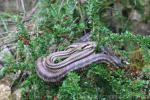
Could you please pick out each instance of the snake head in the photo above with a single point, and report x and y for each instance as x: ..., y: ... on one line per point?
x: 117, y: 61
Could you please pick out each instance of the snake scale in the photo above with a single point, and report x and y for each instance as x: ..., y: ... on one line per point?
x: 76, y: 56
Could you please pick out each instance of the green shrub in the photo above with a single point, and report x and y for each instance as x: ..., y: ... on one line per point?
x: 61, y: 25
x: 70, y: 88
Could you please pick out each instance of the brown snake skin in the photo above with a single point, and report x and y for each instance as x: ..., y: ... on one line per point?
x: 76, y: 56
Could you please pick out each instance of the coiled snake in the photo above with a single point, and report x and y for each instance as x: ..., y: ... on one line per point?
x: 76, y: 56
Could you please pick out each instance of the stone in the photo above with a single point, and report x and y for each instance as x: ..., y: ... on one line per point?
x: 16, y: 95
x: 135, y: 16
x: 4, y: 52
x: 5, y: 92
x: 5, y: 87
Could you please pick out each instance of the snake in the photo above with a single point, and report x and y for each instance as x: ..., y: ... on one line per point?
x: 76, y: 56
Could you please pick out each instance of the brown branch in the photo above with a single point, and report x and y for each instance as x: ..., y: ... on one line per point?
x: 31, y: 12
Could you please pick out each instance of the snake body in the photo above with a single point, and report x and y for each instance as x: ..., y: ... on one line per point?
x: 73, y: 53
x: 77, y: 56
